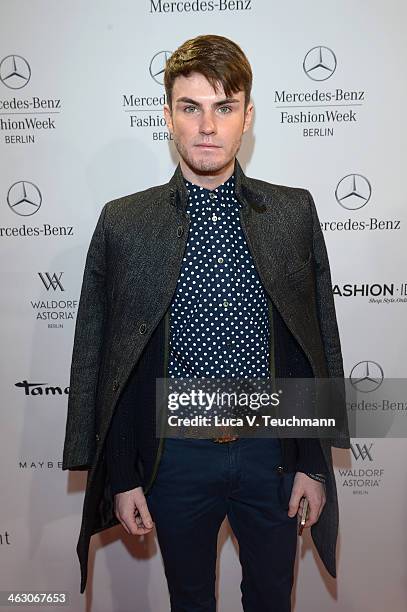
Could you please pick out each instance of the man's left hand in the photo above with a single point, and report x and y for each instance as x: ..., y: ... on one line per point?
x: 314, y: 491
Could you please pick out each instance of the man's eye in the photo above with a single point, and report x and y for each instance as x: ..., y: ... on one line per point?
x: 224, y: 110
x: 189, y: 109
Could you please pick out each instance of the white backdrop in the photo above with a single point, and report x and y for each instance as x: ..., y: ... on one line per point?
x: 80, y: 124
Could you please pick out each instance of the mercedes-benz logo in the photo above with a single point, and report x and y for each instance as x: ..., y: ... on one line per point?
x: 15, y: 71
x: 24, y: 198
x: 157, y: 66
x: 366, y: 376
x: 353, y: 191
x: 319, y: 63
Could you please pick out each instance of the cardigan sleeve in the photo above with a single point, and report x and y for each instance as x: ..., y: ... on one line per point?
x: 310, y: 456
x: 121, y: 450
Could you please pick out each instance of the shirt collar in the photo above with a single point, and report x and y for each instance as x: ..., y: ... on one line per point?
x: 225, y: 193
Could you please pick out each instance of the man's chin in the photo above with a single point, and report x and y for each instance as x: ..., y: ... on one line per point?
x: 206, y: 166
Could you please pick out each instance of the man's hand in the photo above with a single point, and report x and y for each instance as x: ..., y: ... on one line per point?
x: 314, y: 491
x: 132, y: 511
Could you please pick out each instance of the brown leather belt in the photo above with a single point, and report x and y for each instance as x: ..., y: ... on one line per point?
x: 223, y: 439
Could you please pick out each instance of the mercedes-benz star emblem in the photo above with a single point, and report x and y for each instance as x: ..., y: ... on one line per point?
x: 366, y: 376
x: 15, y: 71
x: 157, y: 66
x: 319, y: 63
x: 24, y: 198
x: 353, y: 191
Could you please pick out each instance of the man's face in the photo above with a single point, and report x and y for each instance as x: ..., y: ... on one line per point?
x: 206, y: 125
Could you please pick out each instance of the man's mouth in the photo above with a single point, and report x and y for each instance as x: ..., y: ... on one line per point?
x: 207, y: 146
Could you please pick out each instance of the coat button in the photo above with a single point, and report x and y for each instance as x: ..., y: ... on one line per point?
x: 280, y: 469
x: 143, y: 328
x: 97, y: 437
x: 115, y: 385
x: 180, y: 231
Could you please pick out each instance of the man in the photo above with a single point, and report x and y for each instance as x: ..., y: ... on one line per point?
x: 211, y: 275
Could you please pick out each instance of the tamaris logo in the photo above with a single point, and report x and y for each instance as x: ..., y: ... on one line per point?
x: 39, y: 388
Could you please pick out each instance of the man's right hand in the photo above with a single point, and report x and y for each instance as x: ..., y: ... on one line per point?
x: 131, y: 509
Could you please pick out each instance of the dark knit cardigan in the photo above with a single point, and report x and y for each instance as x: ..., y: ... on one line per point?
x: 131, y: 444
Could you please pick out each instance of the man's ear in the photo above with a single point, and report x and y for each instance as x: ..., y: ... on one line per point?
x: 248, y: 115
x: 168, y: 118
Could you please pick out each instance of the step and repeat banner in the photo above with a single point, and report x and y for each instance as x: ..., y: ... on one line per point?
x: 81, y: 123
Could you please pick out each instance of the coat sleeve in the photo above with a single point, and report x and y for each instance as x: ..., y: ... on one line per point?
x: 80, y: 443
x: 329, y: 327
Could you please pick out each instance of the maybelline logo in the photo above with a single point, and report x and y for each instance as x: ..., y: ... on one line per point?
x: 41, y: 465
x: 335, y: 105
x: 378, y: 293
x: 361, y: 480
x: 39, y: 388
x: 146, y: 111
x: 353, y: 192
x: 199, y: 6
x: 55, y: 311
x: 24, y: 199
x: 22, y: 118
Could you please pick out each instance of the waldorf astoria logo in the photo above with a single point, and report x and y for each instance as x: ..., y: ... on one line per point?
x: 365, y: 475
x: 362, y: 451
x: 323, y: 109
x: 24, y: 119
x: 53, y: 311
x: 51, y: 281
x: 144, y: 110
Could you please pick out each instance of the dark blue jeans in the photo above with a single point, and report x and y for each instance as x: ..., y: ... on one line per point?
x: 200, y: 482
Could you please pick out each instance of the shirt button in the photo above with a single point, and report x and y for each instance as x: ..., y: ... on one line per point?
x: 214, y: 218
x: 220, y: 259
x: 225, y: 303
x: 212, y: 196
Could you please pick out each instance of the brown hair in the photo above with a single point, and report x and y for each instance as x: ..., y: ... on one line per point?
x: 218, y: 59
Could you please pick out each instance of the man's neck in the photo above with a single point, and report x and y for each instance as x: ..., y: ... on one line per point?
x: 207, y: 181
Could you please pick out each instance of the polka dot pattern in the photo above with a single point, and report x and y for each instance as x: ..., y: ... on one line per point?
x: 219, y: 325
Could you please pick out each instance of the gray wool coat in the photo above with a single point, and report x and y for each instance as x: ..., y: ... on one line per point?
x: 131, y: 271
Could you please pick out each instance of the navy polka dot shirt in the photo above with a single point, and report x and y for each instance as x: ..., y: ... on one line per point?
x: 219, y: 325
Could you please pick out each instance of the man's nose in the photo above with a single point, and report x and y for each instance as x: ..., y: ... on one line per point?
x: 207, y: 125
